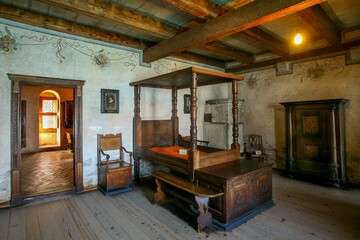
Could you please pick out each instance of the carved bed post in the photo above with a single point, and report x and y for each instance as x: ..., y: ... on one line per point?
x: 235, y: 112
x: 136, y: 132
x: 174, y: 117
x: 194, y: 156
x: 193, y: 116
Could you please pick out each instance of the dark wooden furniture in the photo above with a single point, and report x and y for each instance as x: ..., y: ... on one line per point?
x: 114, y: 172
x: 68, y: 113
x: 202, y: 195
x: 201, y: 164
x: 185, y: 140
x: 247, y: 188
x: 149, y: 133
x: 315, y: 141
x: 254, y: 148
x: 69, y: 140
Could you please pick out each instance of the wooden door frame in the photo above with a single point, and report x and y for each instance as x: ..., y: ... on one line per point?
x: 17, y: 82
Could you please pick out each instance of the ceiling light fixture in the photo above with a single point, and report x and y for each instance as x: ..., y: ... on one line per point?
x: 298, y: 38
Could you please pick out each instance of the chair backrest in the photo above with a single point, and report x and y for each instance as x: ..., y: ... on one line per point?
x: 253, y: 143
x: 109, y: 142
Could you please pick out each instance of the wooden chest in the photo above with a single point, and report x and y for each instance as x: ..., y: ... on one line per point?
x: 247, y: 188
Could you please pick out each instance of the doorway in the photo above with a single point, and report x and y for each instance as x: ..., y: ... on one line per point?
x: 47, y: 162
x: 17, y: 195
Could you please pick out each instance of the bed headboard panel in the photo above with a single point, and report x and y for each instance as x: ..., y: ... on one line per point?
x: 156, y: 133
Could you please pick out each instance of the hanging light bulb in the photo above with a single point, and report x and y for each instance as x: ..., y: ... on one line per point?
x: 298, y: 38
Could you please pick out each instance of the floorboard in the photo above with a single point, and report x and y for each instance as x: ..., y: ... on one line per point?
x: 301, y: 211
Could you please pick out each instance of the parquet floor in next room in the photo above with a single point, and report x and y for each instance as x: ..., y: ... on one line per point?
x: 302, y: 211
x: 46, y: 172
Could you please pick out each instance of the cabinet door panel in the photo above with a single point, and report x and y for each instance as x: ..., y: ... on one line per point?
x: 311, y: 137
x: 241, y: 198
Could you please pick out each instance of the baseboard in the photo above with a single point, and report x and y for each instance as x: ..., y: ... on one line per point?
x: 117, y: 191
x: 5, y: 204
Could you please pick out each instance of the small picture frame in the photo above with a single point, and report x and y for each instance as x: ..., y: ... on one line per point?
x: 187, y: 103
x: 109, y: 101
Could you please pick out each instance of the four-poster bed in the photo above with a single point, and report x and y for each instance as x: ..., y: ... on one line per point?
x: 246, y: 187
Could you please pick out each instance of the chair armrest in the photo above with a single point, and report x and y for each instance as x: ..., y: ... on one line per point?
x: 128, y: 152
x: 202, y: 141
x: 104, y: 154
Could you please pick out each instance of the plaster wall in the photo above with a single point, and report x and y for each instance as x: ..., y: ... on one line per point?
x: 328, y: 78
x: 102, y: 66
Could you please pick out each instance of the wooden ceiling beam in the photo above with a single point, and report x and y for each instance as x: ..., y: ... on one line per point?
x: 200, y: 8
x: 321, y: 23
x: 337, y: 48
x: 250, y: 15
x: 208, y: 10
x: 229, y: 52
x: 266, y: 40
x: 117, y: 15
x: 51, y: 23
x: 235, y: 4
x: 110, y: 13
x: 199, y: 59
x: 55, y: 24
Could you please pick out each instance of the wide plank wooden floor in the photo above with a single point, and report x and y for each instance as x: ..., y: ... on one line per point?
x: 301, y: 211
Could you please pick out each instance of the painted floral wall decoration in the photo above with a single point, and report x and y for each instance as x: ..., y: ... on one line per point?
x: 10, y: 43
x: 253, y: 78
x: 318, y: 69
x: 7, y: 41
x: 162, y: 66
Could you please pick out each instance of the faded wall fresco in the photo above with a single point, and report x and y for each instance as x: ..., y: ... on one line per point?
x: 328, y: 78
x: 35, y: 53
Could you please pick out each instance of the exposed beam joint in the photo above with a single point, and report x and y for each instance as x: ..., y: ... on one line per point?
x: 229, y: 52
x: 117, y: 15
x: 269, y: 41
x: 330, y: 50
x: 107, y: 12
x: 250, y: 15
x: 46, y: 22
x: 199, y: 59
x: 204, y: 9
x: 51, y: 23
x: 321, y: 23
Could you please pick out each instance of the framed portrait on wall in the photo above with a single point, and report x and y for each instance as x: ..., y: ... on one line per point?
x: 109, y: 101
x: 186, y: 103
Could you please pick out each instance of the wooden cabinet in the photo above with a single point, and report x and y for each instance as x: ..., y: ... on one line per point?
x: 68, y: 113
x: 114, y: 178
x: 247, y: 188
x: 315, y: 141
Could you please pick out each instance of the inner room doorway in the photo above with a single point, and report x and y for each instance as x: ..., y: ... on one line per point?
x: 17, y: 141
x: 47, y: 161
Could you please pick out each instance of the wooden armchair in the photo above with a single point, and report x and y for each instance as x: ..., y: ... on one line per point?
x: 254, y: 148
x: 114, y: 173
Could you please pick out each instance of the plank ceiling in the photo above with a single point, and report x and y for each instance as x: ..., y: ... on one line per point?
x: 235, y: 35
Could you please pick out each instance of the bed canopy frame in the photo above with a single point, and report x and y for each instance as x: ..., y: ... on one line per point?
x: 149, y: 133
